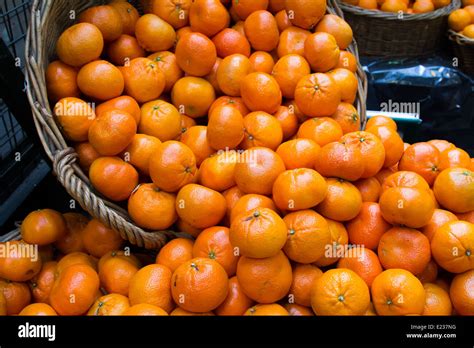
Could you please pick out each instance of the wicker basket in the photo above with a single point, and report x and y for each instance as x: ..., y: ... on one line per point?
x: 49, y: 18
x: 12, y: 235
x: 387, y: 34
x: 463, y: 50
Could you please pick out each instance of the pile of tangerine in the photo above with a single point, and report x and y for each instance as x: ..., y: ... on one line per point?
x: 234, y: 122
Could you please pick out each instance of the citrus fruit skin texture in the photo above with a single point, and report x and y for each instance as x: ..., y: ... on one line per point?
x: 398, y: 292
x: 199, y: 285
x: 340, y: 292
x: 233, y: 129
x: 259, y: 233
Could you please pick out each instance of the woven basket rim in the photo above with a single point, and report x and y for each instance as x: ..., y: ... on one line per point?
x: 64, y: 157
x: 441, y: 12
x: 11, y: 236
x: 459, y: 38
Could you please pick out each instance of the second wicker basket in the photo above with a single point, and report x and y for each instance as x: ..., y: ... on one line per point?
x: 386, y: 34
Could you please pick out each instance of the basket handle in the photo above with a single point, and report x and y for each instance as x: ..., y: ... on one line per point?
x: 115, y: 218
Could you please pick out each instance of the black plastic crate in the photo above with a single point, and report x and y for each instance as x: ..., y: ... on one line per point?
x: 14, y: 16
x: 13, y: 23
x: 11, y: 133
x: 22, y: 166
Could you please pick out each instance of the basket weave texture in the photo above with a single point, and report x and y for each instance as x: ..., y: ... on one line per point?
x: 463, y: 50
x: 49, y: 19
x: 10, y: 236
x: 386, y: 34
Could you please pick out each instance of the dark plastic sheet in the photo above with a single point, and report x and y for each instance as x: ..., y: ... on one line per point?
x: 445, y: 96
